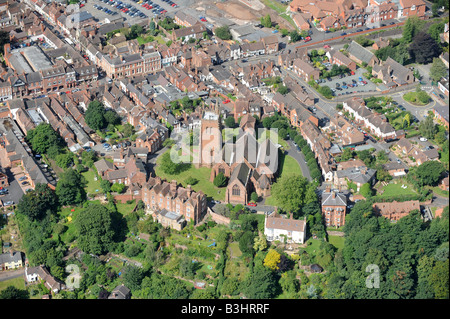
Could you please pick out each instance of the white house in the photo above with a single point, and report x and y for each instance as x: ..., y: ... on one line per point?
x: 277, y: 227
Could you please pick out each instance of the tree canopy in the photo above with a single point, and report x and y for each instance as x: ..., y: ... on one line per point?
x: 94, y: 227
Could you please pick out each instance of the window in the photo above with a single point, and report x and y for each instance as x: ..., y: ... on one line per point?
x: 236, y: 191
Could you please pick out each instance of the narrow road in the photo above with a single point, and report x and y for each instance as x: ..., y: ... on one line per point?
x: 11, y: 274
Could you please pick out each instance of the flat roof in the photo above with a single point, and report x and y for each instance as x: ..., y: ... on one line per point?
x: 36, y: 58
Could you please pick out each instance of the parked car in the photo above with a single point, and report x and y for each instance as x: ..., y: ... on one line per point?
x: 423, y: 139
x: 22, y: 178
x: 252, y: 204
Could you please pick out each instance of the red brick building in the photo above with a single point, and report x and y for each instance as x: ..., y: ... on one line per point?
x: 395, y: 210
x: 334, y: 208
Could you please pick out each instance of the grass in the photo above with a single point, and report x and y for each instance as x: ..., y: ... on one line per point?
x: 124, y: 208
x: 278, y: 7
x: 18, y: 282
x: 288, y: 19
x: 289, y: 166
x: 202, y: 174
x: 337, y: 241
x: 93, y: 186
x: 396, y: 189
x: 438, y: 191
x: 312, y: 246
x: 234, y: 248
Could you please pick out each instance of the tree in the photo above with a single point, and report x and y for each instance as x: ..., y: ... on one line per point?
x: 95, y: 115
x: 283, y: 90
x: 230, y: 122
x: 411, y: 28
x: 70, y: 188
x: 118, y: 188
x: 427, y: 128
x: 260, y: 242
x: 246, y: 243
x: 266, y: 21
x: 105, y: 185
x: 272, y: 259
x: 261, y: 284
x: 220, y: 180
x: 12, y: 292
x: 254, y: 197
x: 132, y: 277
x: 439, y: 279
x: 64, y: 160
x: 294, y: 36
x: 35, y: 203
x: 94, y: 228
x: 43, y: 137
x: 435, y: 30
x: 430, y: 172
x: 191, y: 180
x: 366, y: 190
x: 223, y: 33
x: 424, y: 48
x: 111, y: 117
x: 289, y: 192
x: 438, y: 70
x: 170, y: 167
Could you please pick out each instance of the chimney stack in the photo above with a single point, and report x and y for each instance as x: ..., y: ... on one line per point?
x: 333, y: 194
x: 173, y: 186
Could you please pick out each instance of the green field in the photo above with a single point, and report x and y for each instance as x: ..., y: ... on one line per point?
x: 289, y: 166
x: 16, y: 282
x: 202, y: 174
x: 278, y: 7
x: 396, y: 189
x: 337, y: 241
x: 93, y: 186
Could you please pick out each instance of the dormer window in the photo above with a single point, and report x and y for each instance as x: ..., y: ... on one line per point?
x: 413, y: 7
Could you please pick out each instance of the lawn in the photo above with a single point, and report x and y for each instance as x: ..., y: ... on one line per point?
x: 337, y: 241
x: 93, y: 186
x: 202, y: 174
x: 312, y: 246
x: 145, y: 39
x: 18, y: 282
x: 278, y: 7
x: 234, y: 249
x: 289, y: 166
x: 396, y: 189
x: 124, y: 208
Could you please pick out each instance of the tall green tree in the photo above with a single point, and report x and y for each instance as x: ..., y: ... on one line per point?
x: 94, y: 228
x: 43, y: 137
x: 412, y: 27
x: 95, y: 115
x: 289, y: 192
x: 70, y: 188
x: 35, y: 203
x: 424, y: 48
x: 438, y: 70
